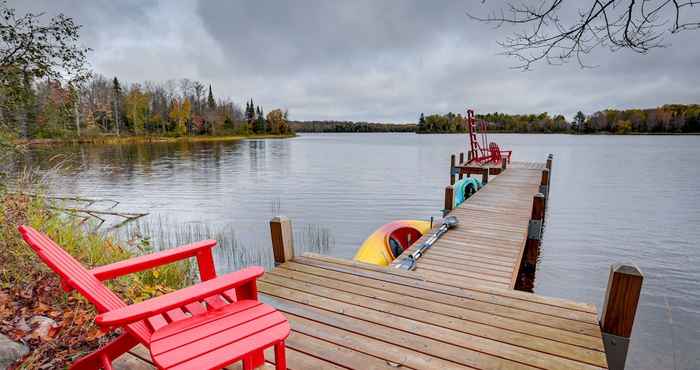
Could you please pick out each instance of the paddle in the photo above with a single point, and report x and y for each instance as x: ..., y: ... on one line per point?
x: 410, y: 262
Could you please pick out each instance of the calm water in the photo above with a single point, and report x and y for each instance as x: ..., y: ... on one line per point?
x: 613, y: 199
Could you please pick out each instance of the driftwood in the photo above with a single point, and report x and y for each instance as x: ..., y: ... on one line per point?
x: 86, y: 213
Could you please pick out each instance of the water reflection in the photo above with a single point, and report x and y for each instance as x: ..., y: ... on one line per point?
x: 613, y: 199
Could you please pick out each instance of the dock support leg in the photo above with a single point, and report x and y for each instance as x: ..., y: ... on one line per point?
x: 485, y: 177
x: 528, y: 264
x: 449, y: 200
x: 504, y: 164
x: 619, y: 309
x: 544, y: 183
x: 282, y: 239
x: 452, y: 169
x: 461, y: 162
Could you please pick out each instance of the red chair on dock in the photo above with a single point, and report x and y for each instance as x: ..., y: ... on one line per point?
x: 497, y: 154
x: 206, y: 326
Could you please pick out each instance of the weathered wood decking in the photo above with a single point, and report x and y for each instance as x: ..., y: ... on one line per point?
x: 457, y: 310
x: 487, y: 246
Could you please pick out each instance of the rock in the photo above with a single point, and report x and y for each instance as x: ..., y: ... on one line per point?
x: 10, y: 352
x: 44, y: 327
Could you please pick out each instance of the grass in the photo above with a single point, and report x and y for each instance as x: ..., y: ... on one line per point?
x: 29, y: 288
x: 137, y: 139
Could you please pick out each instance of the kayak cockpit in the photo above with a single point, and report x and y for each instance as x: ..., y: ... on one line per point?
x: 390, y: 240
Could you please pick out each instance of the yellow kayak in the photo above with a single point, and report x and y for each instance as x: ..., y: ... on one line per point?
x: 390, y: 240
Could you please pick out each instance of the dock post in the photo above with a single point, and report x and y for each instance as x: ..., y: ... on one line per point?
x: 485, y: 176
x: 449, y: 199
x: 504, y: 164
x: 550, y: 157
x: 452, y: 169
x: 528, y: 265
x: 619, y: 309
x: 544, y: 183
x: 282, y: 239
x: 461, y: 162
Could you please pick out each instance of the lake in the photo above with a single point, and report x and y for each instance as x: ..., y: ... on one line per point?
x: 613, y: 199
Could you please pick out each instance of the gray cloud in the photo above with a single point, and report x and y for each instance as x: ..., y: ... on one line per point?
x: 364, y: 60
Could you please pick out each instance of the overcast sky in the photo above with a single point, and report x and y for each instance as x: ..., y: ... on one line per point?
x: 364, y: 60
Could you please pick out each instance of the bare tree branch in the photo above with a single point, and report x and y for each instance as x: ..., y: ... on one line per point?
x: 638, y: 25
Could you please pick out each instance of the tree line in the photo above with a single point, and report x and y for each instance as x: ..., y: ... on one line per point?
x: 47, y: 91
x: 350, y: 126
x: 671, y: 118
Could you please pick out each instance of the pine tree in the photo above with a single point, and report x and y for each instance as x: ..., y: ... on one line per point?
x: 210, y: 99
x: 259, y: 121
x: 117, y: 95
x: 421, y: 123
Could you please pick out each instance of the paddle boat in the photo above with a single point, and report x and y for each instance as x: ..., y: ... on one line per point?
x: 390, y: 240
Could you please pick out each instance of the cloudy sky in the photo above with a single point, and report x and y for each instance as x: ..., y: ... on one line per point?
x: 370, y: 60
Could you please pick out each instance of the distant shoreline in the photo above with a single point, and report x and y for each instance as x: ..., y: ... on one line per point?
x: 142, y: 139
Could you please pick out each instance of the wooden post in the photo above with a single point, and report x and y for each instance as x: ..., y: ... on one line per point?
x: 544, y: 183
x: 282, y: 239
x: 485, y: 176
x: 469, y: 156
x: 619, y: 309
x: 461, y: 162
x: 452, y: 169
x: 549, y: 161
x: 504, y: 164
x: 449, y: 199
x: 528, y: 264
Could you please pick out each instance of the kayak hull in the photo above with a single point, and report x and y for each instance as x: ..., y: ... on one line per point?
x: 390, y: 240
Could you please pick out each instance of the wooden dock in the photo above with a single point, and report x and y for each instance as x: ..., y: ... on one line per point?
x: 457, y: 310
x: 488, y: 245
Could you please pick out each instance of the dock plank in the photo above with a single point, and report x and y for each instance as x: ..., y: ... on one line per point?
x: 456, y: 310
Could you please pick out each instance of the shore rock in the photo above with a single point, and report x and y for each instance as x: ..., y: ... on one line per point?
x: 44, y: 327
x: 10, y: 352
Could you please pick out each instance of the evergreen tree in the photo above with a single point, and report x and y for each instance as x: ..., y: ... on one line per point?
x: 210, y: 99
x: 260, y: 124
x: 117, y: 90
x: 579, y: 119
x: 421, y: 123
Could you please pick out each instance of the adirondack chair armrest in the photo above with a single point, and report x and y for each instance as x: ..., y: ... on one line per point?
x: 201, y: 250
x: 244, y: 278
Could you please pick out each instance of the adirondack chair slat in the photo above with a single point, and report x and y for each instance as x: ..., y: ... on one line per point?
x: 195, y: 308
x: 178, y: 354
x: 156, y: 322
x: 166, y: 340
x: 206, y: 326
x: 197, y: 321
x: 221, y: 355
x: 176, y: 314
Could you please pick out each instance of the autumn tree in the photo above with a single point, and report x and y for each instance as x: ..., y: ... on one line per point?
x: 137, y: 108
x: 277, y: 122
x: 32, y: 49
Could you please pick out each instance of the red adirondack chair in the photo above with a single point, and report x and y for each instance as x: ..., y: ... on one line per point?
x: 206, y: 326
x: 497, y: 154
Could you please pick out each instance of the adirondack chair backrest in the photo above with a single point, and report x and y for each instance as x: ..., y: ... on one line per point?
x: 495, y: 152
x: 71, y: 271
x: 79, y: 278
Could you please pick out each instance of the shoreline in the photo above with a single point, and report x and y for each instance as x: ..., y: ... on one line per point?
x: 145, y: 139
